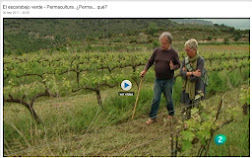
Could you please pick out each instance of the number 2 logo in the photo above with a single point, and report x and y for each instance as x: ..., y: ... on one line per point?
x: 220, y: 139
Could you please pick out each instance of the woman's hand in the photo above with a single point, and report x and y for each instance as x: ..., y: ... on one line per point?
x: 188, y: 74
x: 197, y: 73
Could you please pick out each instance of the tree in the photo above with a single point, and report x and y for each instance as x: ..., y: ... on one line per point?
x: 152, y: 28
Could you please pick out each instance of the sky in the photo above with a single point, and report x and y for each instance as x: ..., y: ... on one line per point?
x: 236, y: 23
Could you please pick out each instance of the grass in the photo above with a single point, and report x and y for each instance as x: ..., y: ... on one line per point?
x: 71, y: 114
x: 237, y: 143
x: 105, y: 137
x: 237, y: 132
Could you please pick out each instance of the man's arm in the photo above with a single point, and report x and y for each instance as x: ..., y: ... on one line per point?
x: 176, y: 62
x: 149, y: 64
x: 151, y: 61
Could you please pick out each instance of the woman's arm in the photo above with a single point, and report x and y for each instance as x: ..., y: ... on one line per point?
x: 183, y: 73
x: 198, y: 72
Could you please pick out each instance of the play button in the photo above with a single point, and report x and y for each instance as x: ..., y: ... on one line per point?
x: 126, y: 85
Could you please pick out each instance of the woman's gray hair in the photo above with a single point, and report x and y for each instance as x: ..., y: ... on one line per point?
x: 167, y: 35
x: 192, y: 44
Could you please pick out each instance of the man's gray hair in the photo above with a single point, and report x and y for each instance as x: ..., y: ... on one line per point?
x: 167, y: 35
x: 192, y: 44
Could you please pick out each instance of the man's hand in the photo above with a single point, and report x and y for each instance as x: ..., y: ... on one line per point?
x: 171, y: 65
x: 197, y: 73
x: 143, y: 73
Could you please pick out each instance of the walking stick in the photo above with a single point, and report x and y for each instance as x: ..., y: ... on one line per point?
x: 139, y: 88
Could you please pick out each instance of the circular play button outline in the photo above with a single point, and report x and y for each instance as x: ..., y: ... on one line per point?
x: 126, y: 85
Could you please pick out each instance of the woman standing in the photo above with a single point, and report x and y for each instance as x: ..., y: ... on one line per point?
x: 191, y: 71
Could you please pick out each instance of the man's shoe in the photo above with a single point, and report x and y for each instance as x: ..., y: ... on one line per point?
x: 150, y: 121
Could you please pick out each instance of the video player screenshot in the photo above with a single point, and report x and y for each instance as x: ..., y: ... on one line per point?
x: 125, y: 78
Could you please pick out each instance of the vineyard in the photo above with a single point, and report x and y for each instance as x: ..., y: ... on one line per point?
x: 40, y: 84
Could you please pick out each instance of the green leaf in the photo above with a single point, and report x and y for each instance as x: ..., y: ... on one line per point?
x: 204, y: 135
x: 191, y: 123
x: 194, y: 111
x: 186, y: 145
x: 187, y: 135
x: 206, y: 126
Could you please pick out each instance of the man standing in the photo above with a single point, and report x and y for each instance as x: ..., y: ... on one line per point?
x: 166, y: 60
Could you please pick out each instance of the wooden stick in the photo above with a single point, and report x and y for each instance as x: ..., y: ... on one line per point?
x: 139, y: 88
x: 171, y: 139
x: 176, y: 144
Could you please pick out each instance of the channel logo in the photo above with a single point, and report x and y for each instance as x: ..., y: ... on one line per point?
x: 220, y: 139
x: 126, y: 85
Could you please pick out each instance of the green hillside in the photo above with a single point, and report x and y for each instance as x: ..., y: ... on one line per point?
x: 75, y: 35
